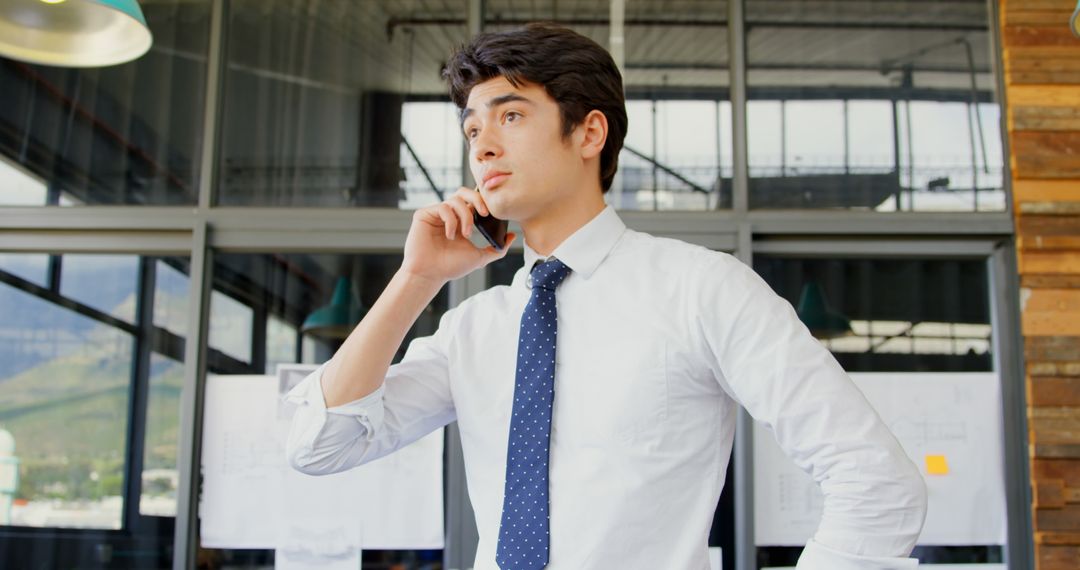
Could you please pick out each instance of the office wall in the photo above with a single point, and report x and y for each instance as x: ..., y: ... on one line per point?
x: 1042, y: 77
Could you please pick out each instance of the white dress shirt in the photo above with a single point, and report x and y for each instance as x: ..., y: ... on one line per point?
x: 659, y: 342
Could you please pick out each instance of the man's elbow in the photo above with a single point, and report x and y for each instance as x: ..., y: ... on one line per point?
x: 300, y: 460
x: 306, y: 468
x: 327, y: 460
x: 307, y: 462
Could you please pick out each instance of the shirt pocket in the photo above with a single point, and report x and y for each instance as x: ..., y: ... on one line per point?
x: 618, y: 395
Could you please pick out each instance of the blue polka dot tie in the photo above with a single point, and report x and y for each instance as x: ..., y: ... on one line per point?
x: 523, y: 534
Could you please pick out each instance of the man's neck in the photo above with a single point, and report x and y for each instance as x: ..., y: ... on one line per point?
x: 544, y: 233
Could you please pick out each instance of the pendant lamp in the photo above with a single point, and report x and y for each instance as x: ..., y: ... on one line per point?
x: 73, y: 33
x: 814, y: 311
x: 336, y: 320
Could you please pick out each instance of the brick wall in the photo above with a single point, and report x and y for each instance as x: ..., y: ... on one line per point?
x: 1042, y: 78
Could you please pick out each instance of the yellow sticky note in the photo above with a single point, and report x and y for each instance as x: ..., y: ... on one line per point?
x: 936, y: 465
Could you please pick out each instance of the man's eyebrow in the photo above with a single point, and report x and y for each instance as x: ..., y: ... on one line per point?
x: 495, y: 102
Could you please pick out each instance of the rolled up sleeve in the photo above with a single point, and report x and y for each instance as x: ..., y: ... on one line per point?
x: 767, y: 360
x: 414, y: 400
x: 320, y: 438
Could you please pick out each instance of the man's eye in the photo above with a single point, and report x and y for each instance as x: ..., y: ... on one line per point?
x: 512, y: 116
x: 471, y: 133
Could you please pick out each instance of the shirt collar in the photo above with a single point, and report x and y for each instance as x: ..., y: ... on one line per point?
x: 583, y: 251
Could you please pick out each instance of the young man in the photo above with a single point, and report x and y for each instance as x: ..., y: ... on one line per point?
x: 596, y: 396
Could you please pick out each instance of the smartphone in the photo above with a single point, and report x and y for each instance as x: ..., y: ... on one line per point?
x: 493, y: 229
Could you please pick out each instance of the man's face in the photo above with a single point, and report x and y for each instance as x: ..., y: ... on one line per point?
x: 517, y: 153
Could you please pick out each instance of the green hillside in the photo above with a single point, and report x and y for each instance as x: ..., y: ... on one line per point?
x: 69, y: 417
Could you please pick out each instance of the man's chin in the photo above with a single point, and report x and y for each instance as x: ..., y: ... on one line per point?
x: 501, y: 211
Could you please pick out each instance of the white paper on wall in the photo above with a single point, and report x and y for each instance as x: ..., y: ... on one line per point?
x: 950, y: 426
x: 251, y: 498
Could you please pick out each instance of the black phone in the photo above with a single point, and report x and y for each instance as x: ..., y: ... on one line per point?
x: 493, y: 229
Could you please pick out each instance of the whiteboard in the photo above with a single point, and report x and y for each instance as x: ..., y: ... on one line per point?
x: 950, y: 426
x: 252, y: 498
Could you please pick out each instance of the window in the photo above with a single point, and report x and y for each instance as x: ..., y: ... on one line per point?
x: 123, y: 134
x: 882, y: 106
x: 889, y: 315
x: 71, y: 364
x: 340, y: 104
x: 289, y: 296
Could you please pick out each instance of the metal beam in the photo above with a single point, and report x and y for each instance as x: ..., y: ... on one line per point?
x: 1008, y: 355
x: 213, y: 101
x: 99, y: 217
x: 394, y: 23
x: 737, y: 58
x: 100, y: 241
x: 998, y: 63
x: 189, y: 444
x: 879, y: 223
x: 805, y: 247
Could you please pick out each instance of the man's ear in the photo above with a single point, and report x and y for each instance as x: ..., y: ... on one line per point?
x: 594, y: 129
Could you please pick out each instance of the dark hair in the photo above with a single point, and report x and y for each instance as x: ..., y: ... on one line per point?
x: 575, y: 71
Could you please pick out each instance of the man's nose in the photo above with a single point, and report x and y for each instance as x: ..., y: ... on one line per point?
x: 486, y: 146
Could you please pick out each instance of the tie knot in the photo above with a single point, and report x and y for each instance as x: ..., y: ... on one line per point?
x: 549, y: 274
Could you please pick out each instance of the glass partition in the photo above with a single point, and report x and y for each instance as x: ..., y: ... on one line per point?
x: 124, y: 134
x: 904, y: 317
x: 677, y: 154
x: 340, y: 104
x: 81, y: 349
x: 882, y: 106
x: 285, y: 299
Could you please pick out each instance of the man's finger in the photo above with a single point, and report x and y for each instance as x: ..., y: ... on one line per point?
x: 463, y: 212
x: 474, y: 198
x: 449, y: 218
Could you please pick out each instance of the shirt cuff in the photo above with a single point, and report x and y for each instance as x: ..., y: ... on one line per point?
x: 312, y: 415
x: 817, y: 556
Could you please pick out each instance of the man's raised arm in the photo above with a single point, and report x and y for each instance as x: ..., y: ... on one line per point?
x: 339, y: 422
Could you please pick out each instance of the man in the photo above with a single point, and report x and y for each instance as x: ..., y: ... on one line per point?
x: 596, y: 396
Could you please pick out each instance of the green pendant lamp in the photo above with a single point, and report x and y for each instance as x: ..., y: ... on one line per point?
x: 815, y: 313
x: 73, y: 33
x: 336, y: 320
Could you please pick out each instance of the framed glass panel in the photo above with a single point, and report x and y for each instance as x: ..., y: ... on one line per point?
x: 65, y: 397
x: 882, y: 106
x: 170, y: 301
x: 18, y: 187
x: 160, y: 478
x: 283, y: 292
x: 231, y: 325
x: 340, y: 104
x: 891, y: 315
x: 78, y: 356
x: 124, y: 134
x: 677, y: 154
x: 165, y: 371
x: 104, y: 282
x: 33, y: 267
x: 281, y: 346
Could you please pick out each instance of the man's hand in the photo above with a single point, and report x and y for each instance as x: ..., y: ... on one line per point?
x: 438, y: 247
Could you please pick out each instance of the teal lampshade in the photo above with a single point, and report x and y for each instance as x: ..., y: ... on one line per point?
x: 337, y: 319
x: 1074, y: 22
x: 815, y: 313
x: 73, y: 33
